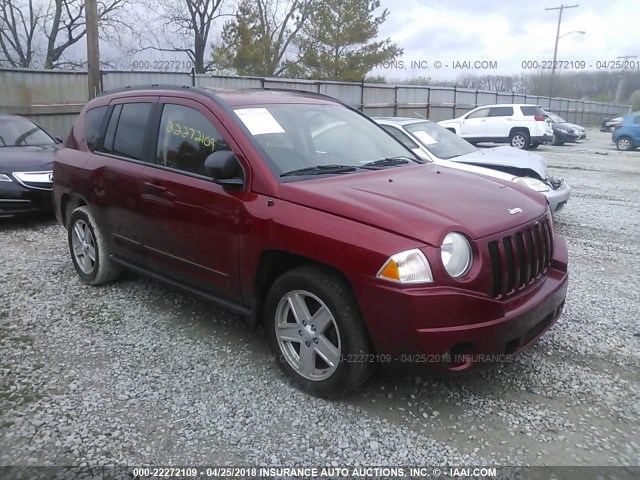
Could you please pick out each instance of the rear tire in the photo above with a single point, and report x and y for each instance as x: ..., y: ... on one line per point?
x: 316, y: 332
x: 89, y: 250
x: 519, y: 139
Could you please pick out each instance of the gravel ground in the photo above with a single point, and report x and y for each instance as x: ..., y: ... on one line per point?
x: 134, y: 373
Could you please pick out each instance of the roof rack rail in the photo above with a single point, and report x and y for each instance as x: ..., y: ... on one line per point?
x: 306, y: 93
x: 151, y: 86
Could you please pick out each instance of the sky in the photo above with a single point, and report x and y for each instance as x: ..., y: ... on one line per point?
x: 507, y: 32
x: 503, y: 32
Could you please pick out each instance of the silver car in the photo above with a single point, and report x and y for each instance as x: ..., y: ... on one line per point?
x: 437, y: 144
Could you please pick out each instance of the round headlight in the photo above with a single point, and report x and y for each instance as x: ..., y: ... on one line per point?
x: 456, y: 254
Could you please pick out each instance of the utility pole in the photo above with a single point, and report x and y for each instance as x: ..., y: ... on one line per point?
x: 93, y: 48
x: 624, y: 58
x: 555, y: 50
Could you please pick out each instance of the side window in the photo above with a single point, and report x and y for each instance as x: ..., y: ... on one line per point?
x: 401, y: 137
x: 93, y: 123
x: 186, y: 138
x: 129, y: 138
x: 483, y: 112
x: 501, y: 112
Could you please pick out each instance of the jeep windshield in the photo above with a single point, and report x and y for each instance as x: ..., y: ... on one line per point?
x: 441, y: 142
x: 302, y: 140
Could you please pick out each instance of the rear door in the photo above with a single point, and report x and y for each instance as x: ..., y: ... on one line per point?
x: 117, y: 174
x: 191, y: 224
x: 474, y: 125
x: 500, y: 122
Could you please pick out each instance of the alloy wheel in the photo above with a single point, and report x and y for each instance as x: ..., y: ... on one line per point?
x: 518, y: 141
x: 84, y: 246
x: 308, y: 335
x: 624, y: 144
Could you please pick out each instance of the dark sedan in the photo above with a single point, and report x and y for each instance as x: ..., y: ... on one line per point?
x: 26, y: 167
x: 564, y: 131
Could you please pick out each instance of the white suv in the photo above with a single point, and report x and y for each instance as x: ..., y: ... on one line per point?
x: 522, y: 126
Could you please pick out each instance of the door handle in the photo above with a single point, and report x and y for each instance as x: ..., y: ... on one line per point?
x: 154, y: 188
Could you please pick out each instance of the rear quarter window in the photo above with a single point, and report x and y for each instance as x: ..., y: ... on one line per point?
x: 531, y: 111
x: 93, y: 130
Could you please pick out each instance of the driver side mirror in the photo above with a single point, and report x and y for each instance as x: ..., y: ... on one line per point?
x: 223, y: 167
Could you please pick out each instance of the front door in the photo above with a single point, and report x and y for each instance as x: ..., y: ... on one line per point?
x: 192, y: 224
x: 475, y: 124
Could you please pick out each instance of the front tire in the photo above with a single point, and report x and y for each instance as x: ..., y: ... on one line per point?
x: 519, y: 139
x: 89, y: 250
x: 624, y: 144
x: 316, y: 332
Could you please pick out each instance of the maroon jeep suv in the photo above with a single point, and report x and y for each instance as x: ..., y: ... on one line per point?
x: 303, y: 215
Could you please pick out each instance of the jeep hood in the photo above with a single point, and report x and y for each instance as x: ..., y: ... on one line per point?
x: 505, y: 157
x: 424, y: 202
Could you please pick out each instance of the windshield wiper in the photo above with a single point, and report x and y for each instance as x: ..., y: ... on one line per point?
x: 320, y: 170
x: 388, y: 162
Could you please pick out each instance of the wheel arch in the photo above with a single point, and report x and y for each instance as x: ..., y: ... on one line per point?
x: 68, y: 203
x: 272, y: 264
x: 519, y: 129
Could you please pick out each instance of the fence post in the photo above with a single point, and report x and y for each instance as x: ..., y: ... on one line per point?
x: 362, y: 95
x: 429, y: 102
x: 476, y: 98
x: 395, y: 102
x: 455, y: 99
x: 193, y: 76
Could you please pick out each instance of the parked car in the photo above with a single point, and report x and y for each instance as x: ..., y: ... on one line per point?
x: 626, y: 135
x: 303, y: 215
x: 609, y: 124
x: 564, y: 131
x: 26, y: 167
x: 522, y: 126
x: 437, y: 144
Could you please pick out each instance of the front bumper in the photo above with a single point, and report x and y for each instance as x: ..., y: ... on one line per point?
x: 567, y: 137
x: 455, y: 329
x: 17, y: 200
x: 557, y: 199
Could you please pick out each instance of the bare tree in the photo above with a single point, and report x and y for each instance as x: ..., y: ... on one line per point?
x: 186, y: 28
x: 65, y: 25
x: 18, y: 26
x: 501, y: 83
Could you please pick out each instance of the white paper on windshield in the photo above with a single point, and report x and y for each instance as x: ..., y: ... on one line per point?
x: 425, y: 138
x: 259, y: 121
